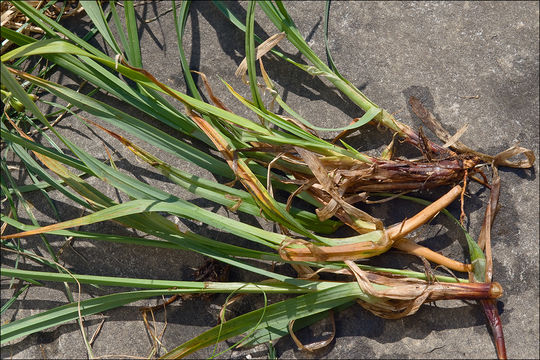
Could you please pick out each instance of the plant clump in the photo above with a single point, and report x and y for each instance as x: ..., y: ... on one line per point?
x: 273, y: 152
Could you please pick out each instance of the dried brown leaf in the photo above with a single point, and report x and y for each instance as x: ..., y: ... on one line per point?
x: 262, y: 49
x: 501, y: 159
x: 318, y: 344
x: 360, y: 219
x: 454, y: 138
x: 208, y: 88
x: 484, y: 238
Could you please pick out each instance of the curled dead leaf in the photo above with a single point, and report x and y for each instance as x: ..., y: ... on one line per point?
x: 318, y: 345
x: 262, y: 49
x: 501, y: 159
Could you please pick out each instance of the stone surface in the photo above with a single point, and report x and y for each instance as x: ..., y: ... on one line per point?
x: 472, y: 63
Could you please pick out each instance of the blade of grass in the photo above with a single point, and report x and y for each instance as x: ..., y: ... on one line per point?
x: 27, y: 207
x: 59, y: 268
x: 233, y: 250
x: 328, y: 54
x: 250, y: 56
x: 272, y: 333
x: 222, y: 7
x: 32, y: 166
x: 13, y: 298
x: 119, y: 28
x: 175, y: 206
x: 94, y: 10
x: 176, y: 243
x: 102, y: 78
x: 271, y: 208
x: 272, y: 316
x: 65, y: 313
x: 221, y: 194
x: 180, y: 25
x: 367, y: 117
x: 186, y: 287
x: 98, y: 199
x: 134, y: 49
x: 136, y: 127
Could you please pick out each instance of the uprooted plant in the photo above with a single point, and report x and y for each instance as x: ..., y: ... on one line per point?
x: 275, y: 152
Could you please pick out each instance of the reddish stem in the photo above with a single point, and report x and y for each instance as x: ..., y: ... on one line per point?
x: 490, y: 309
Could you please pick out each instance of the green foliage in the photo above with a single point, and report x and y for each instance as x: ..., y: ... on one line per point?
x: 73, y: 172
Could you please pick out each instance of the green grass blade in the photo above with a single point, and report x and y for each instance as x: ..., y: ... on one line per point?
x: 65, y: 47
x: 32, y: 166
x: 222, y: 7
x: 50, y: 26
x: 51, y: 153
x: 174, y: 146
x: 136, y: 127
x: 175, y: 206
x: 65, y: 313
x: 14, y: 87
x: 119, y: 28
x: 62, y: 47
x: 15, y: 36
x: 217, y: 250
x: 13, y: 298
x: 7, y: 192
x: 95, y: 12
x: 134, y: 49
x: 180, y: 25
x: 23, y: 26
x: 102, y: 78
x: 251, y: 56
x: 185, y: 241
x: 165, y: 112
x: 201, y: 106
x: 233, y: 198
x: 478, y: 260
x: 276, y: 315
x: 22, y: 252
x: 97, y: 236
x: 295, y: 135
x: 30, y: 214
x: 273, y: 333
x: 184, y: 286
x: 328, y: 54
x: 281, y: 19
x: 27, y: 207
x: 367, y: 117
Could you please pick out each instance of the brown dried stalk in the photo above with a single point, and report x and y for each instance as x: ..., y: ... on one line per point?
x: 484, y: 242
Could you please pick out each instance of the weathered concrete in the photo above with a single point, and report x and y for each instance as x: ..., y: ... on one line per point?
x: 470, y: 63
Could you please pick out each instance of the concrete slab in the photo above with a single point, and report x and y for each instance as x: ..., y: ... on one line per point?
x: 470, y: 63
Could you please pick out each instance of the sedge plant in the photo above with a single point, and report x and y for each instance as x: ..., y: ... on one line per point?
x: 272, y: 152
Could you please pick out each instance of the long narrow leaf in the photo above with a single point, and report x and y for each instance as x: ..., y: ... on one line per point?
x: 275, y: 315
x: 134, y: 49
x: 95, y: 12
x: 250, y: 56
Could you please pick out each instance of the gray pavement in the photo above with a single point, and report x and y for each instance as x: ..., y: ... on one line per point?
x: 472, y: 63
